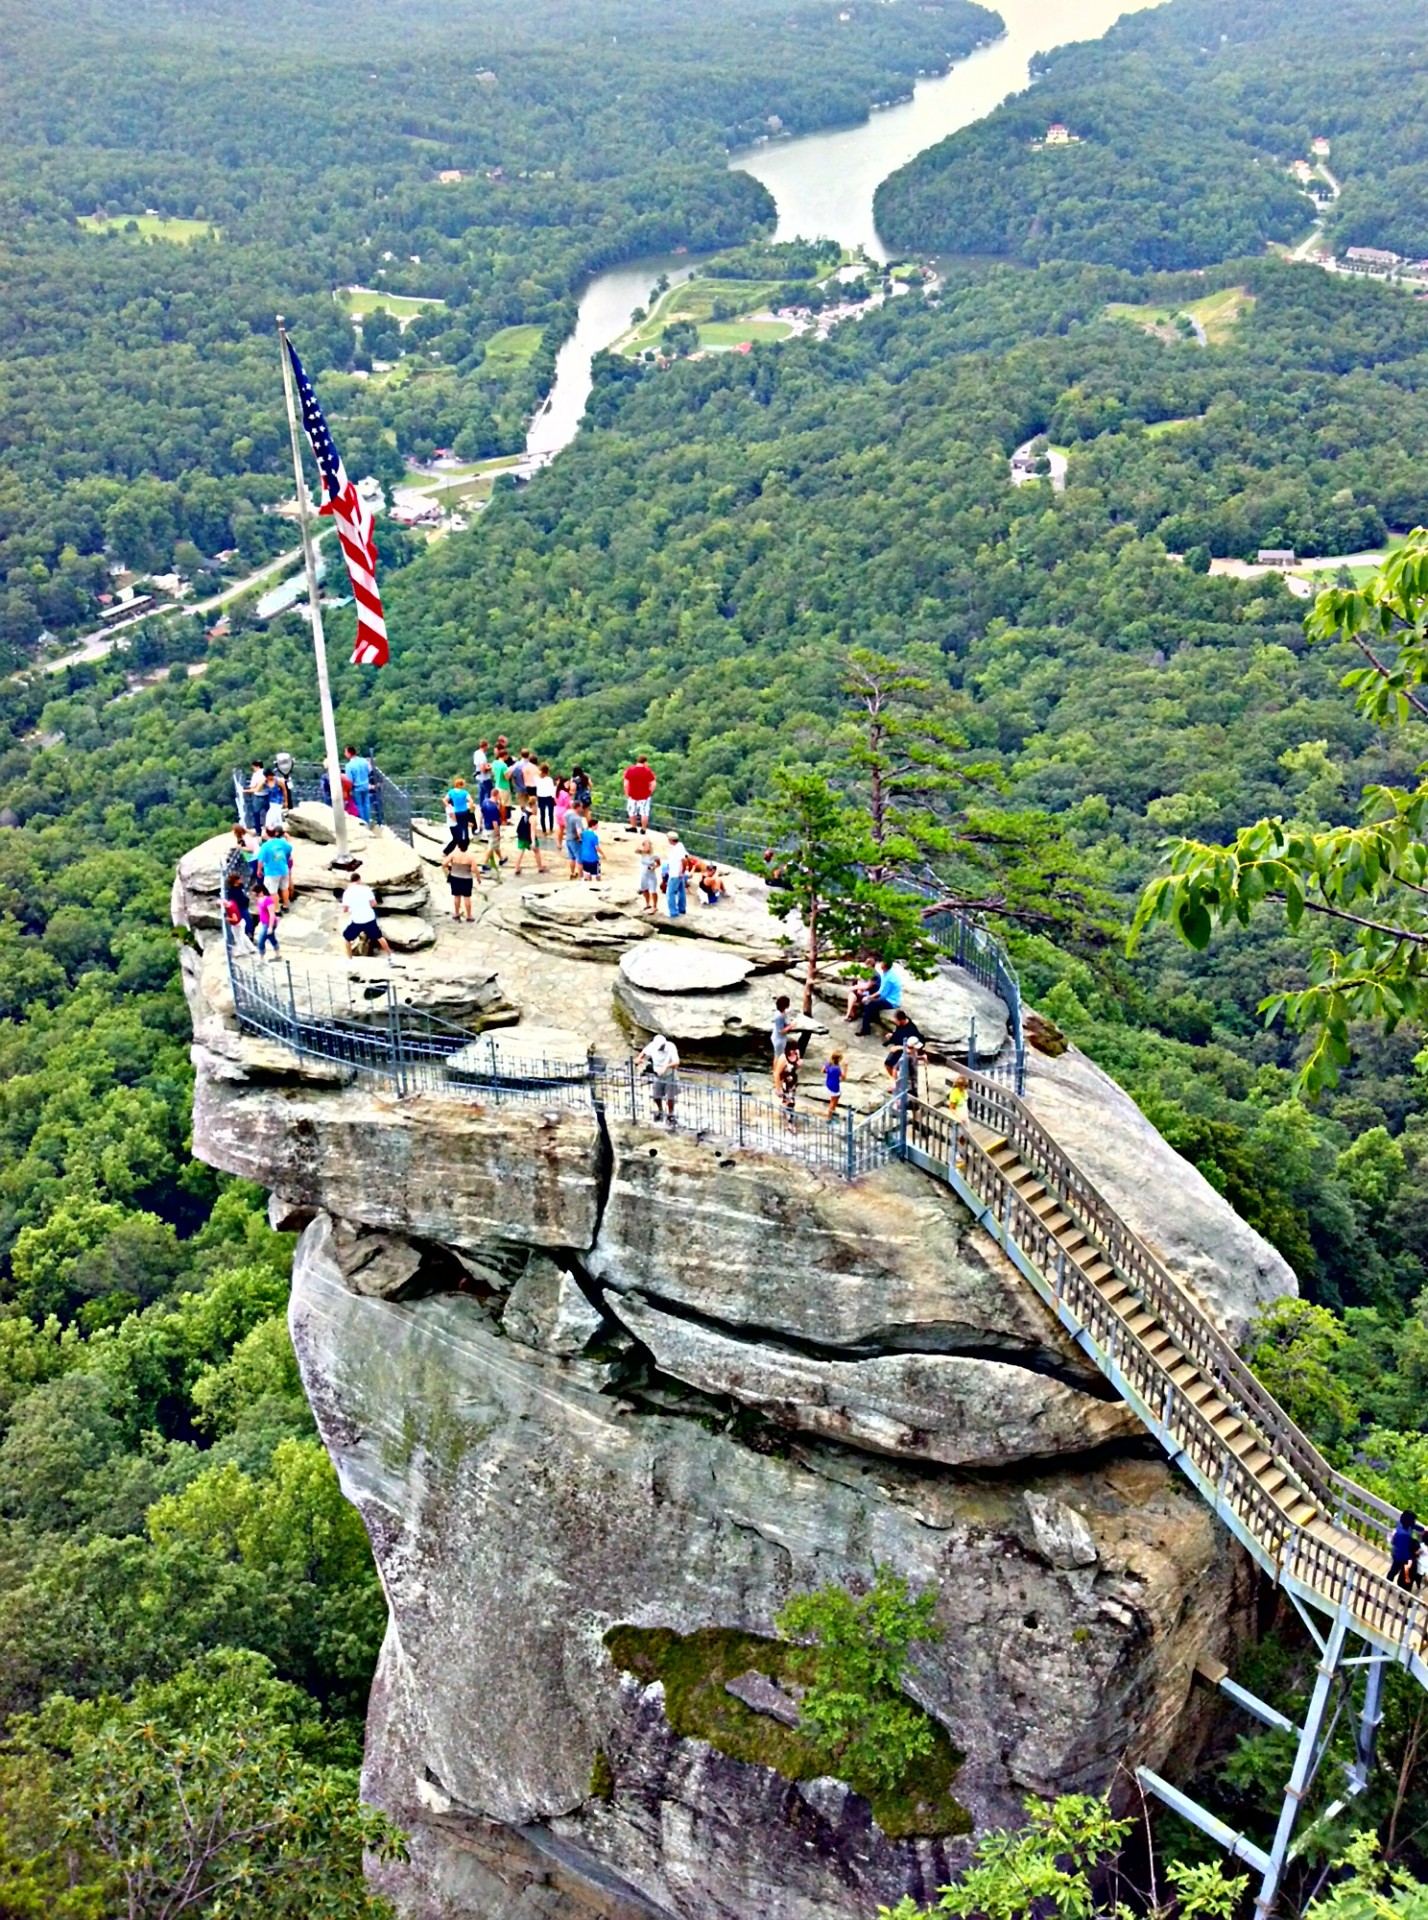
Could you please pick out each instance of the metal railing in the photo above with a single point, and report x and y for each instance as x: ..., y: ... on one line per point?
x: 962, y: 938
x: 1186, y: 1389
x: 370, y: 1034
x: 727, y: 840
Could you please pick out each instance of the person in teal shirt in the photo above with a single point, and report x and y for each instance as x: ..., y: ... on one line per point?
x: 458, y: 798
x: 275, y: 858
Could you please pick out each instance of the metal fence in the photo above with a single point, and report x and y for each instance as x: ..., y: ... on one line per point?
x: 731, y: 840
x: 367, y: 1031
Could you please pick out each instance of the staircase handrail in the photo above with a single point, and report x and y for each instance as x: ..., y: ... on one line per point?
x: 1347, y: 1503
x: 1286, y: 1548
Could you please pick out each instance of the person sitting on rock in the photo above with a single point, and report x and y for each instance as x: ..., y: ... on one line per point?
x: 906, y: 1043
x: 883, y: 994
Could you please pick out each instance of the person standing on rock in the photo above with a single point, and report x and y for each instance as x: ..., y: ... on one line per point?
x: 462, y: 867
x: 458, y: 798
x: 359, y: 772
x: 582, y: 794
x: 590, y: 848
x: 545, y: 798
x: 275, y: 858
x: 649, y: 877
x: 256, y: 795
x: 481, y: 767
x: 267, y: 925
x: 672, y: 873
x: 833, y: 1084
x: 574, y: 833
x: 779, y: 1035
x: 785, y: 1076
x: 526, y: 841
x: 359, y: 916
x: 661, y: 1056
x: 501, y: 782
x: 639, y: 794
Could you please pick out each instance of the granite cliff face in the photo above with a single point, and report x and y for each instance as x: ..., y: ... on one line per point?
x: 579, y: 1373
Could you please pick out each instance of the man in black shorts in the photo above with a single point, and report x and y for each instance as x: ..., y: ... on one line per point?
x: 462, y: 867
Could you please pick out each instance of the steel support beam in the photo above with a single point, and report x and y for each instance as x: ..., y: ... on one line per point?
x: 1366, y: 1733
x: 1198, y: 1816
x: 1306, y: 1762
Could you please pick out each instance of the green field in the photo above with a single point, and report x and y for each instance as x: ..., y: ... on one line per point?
x: 512, y: 347
x: 403, y: 306
x: 152, y: 226
x: 1216, y: 312
x: 694, y: 300
x: 1158, y: 429
x: 733, y: 333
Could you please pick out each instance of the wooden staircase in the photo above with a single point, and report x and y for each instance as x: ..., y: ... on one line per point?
x: 1319, y: 1536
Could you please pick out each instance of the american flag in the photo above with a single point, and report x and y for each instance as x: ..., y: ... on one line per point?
x: 354, y: 526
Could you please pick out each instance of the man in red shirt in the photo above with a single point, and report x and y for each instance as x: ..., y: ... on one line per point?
x: 639, y: 791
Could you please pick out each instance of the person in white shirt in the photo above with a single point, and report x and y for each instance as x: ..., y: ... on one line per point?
x: 359, y: 915
x: 545, y: 797
x: 662, y: 1057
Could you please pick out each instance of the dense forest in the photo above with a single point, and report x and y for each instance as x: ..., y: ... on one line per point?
x: 1185, y: 119
x: 137, y: 358
x: 174, y: 1550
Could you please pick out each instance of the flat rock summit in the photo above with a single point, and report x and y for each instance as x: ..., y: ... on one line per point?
x: 606, y: 1394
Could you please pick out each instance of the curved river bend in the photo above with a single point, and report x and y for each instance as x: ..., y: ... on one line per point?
x: 824, y: 183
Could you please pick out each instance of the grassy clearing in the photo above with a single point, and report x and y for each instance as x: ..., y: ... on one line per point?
x: 694, y: 300
x: 694, y: 1668
x: 512, y: 347
x: 1217, y: 313
x: 152, y: 226
x: 402, y: 306
x: 1160, y: 429
x: 733, y: 333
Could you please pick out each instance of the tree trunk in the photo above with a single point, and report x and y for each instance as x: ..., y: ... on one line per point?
x: 812, y: 955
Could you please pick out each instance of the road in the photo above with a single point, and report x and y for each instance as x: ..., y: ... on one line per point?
x: 1056, y: 460
x: 95, y: 646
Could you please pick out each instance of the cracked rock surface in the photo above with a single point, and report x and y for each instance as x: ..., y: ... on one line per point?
x: 579, y: 1373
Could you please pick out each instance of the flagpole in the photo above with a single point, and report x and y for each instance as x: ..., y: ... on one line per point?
x: 319, y: 642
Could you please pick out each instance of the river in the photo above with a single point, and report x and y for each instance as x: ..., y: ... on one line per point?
x: 823, y: 183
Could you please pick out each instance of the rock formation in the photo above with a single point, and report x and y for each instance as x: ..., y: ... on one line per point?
x: 596, y: 1385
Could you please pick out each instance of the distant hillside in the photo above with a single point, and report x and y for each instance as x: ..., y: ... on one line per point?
x: 1184, y: 121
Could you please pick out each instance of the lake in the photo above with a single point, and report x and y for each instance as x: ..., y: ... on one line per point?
x: 824, y: 183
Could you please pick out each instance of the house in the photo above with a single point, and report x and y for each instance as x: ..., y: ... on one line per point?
x: 1059, y: 136
x: 1302, y: 171
x: 1319, y: 147
x: 450, y: 177
x: 370, y: 492
x: 1366, y: 259
x: 1275, y: 557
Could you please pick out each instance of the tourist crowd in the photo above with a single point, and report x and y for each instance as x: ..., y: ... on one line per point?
x: 516, y: 799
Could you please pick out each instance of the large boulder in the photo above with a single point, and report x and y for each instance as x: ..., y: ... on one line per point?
x: 520, y: 1505
x: 1169, y: 1204
x: 467, y: 1173
x: 961, y: 1410
x: 663, y: 966
x: 894, y: 1264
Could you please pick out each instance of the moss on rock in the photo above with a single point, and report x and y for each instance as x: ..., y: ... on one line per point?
x: 693, y: 1669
